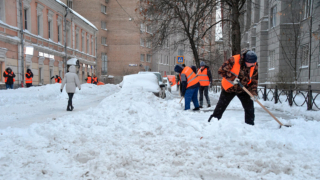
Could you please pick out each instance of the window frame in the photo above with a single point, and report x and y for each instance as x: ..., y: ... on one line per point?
x: 104, y: 39
x: 273, y: 16
x: 304, y: 62
x: 142, y: 57
x: 271, y: 63
x: 103, y: 9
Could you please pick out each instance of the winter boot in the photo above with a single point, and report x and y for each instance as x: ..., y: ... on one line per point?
x: 209, y: 105
x: 200, y: 107
x: 196, y: 109
x: 72, y: 108
x: 68, y: 108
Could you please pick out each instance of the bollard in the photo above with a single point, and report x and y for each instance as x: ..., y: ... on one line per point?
x: 265, y: 93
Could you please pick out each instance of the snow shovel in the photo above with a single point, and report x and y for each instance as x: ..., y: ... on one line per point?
x: 246, y: 90
x: 181, y: 99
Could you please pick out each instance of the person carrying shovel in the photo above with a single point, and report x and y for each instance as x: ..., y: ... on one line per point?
x: 238, y: 69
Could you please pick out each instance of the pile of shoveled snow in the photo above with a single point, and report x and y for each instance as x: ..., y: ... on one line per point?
x: 48, y: 93
x: 135, y: 135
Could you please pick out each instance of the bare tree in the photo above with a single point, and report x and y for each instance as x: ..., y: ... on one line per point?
x: 191, y: 19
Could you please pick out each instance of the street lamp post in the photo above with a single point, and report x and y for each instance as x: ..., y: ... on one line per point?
x: 22, y: 45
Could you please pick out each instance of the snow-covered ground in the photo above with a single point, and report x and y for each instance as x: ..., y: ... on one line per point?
x: 135, y: 135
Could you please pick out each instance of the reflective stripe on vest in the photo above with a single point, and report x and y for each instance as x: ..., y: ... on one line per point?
x: 28, y: 80
x: 192, y: 78
x: 203, y: 77
x: 6, y: 78
x: 226, y: 84
x: 89, y: 80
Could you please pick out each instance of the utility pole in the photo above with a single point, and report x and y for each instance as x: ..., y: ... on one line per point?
x: 65, y: 40
x: 310, y: 39
x: 22, y: 45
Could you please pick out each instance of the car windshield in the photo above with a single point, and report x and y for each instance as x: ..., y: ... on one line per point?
x: 158, y: 76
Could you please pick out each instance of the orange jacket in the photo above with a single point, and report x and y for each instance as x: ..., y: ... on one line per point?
x: 192, y: 78
x: 6, y: 78
x: 226, y: 84
x: 28, y: 80
x: 203, y: 77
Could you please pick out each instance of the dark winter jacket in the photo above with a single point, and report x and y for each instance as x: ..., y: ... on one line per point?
x: 208, y: 73
x: 184, y: 83
x: 244, y: 75
x: 10, y: 78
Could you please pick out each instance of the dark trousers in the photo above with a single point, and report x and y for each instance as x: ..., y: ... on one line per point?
x: 29, y: 85
x: 70, y: 100
x: 191, y: 95
x: 225, y: 99
x: 205, y: 90
x: 9, y: 86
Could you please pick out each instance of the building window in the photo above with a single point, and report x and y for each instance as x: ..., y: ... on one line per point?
x: 103, y: 40
x: 180, y: 52
x: 104, y: 9
x: 68, y: 35
x: 77, y: 39
x: 161, y: 59
x: 148, y: 58
x: 59, y: 33
x: 25, y: 19
x: 70, y: 4
x: 104, y: 59
x: 38, y: 24
x: 103, y: 25
x: 305, y: 55
x: 49, y: 29
x: 149, y: 29
x: 82, y: 42
x: 40, y: 76
x: 91, y: 46
x: 168, y: 60
x: 141, y: 42
x: 273, y: 20
x: 271, y: 59
x: 148, y: 44
x: 142, y: 27
x: 306, y: 7
x: 142, y: 57
x: 2, y: 12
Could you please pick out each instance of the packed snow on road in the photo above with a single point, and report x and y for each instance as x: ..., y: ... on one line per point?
x: 116, y: 133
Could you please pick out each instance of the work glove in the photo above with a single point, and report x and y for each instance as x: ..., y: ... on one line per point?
x: 236, y: 81
x: 254, y: 98
x: 61, y: 90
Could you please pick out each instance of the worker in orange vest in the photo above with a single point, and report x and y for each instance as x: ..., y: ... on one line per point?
x: 29, y: 76
x: 89, y: 79
x: 57, y: 79
x: 239, y: 68
x: 94, y: 79
x: 205, y: 78
x: 9, y: 78
x: 189, y: 86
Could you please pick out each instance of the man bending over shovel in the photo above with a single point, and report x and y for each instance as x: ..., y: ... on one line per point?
x: 239, y: 68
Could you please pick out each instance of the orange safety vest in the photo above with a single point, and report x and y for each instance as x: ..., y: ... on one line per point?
x: 192, y: 78
x: 203, y: 77
x: 226, y: 84
x: 89, y: 80
x: 6, y: 78
x: 28, y: 80
x: 95, y: 79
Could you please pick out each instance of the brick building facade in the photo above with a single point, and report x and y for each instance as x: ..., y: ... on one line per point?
x: 43, y: 27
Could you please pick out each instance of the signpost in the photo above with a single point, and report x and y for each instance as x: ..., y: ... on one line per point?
x: 180, y: 60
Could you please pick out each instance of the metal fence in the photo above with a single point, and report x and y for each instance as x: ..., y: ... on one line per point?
x: 299, y: 97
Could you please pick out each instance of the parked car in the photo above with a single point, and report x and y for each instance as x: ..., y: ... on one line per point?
x: 168, y: 84
x: 161, y: 84
x: 146, y: 82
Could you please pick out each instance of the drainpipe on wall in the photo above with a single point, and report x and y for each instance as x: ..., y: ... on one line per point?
x: 96, y: 49
x: 65, y: 41
x: 22, y: 44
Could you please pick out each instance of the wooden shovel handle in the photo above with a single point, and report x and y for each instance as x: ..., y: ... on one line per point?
x: 181, y: 99
x: 246, y: 90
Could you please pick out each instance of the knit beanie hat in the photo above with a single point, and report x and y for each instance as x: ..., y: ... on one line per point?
x: 251, y: 57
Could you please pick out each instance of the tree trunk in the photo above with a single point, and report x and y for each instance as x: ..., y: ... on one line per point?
x: 236, y: 33
x: 195, y: 52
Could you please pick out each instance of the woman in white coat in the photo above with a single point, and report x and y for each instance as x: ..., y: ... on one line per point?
x: 72, y: 81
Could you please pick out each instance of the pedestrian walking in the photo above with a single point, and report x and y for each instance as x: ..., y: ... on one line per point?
x: 29, y: 76
x: 239, y: 68
x: 189, y: 85
x: 71, y: 80
x: 9, y: 76
x: 205, y: 79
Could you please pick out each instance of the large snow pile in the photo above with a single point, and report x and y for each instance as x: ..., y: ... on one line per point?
x: 135, y: 135
x: 48, y: 93
x: 141, y: 82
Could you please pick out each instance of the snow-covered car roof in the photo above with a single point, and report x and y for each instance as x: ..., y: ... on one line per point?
x: 148, y: 82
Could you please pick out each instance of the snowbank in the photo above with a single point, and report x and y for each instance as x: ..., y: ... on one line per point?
x: 48, y: 93
x: 141, y: 82
x: 135, y: 135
